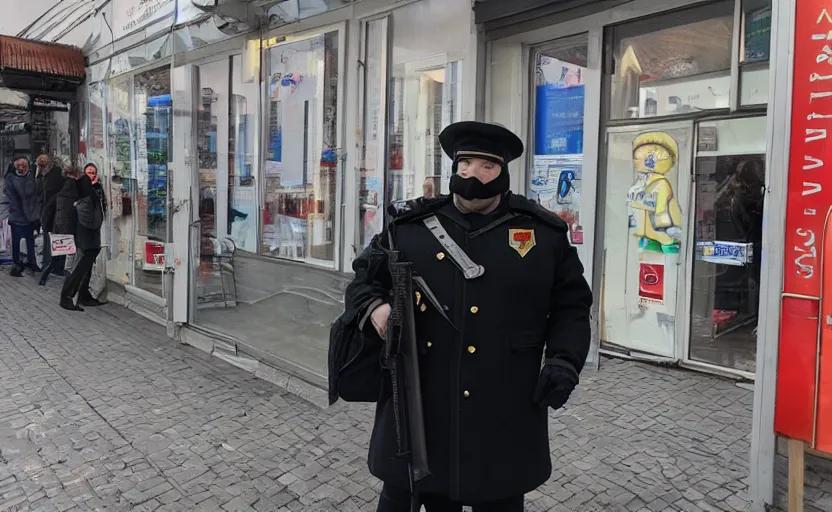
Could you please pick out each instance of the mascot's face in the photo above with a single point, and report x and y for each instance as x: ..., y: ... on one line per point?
x: 652, y: 158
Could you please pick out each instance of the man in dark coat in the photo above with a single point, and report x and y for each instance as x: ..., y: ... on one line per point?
x: 485, y: 396
x: 51, y: 181
x: 21, y: 191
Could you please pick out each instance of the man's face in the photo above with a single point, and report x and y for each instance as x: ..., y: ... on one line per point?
x: 22, y: 165
x: 91, y: 172
x: 43, y: 162
x: 484, y: 170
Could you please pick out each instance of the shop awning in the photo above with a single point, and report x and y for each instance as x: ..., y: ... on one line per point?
x: 56, y: 65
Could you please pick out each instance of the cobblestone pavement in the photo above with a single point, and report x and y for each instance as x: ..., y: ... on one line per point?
x: 99, y: 410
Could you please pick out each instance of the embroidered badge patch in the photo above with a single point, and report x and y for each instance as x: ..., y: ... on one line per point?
x: 521, y: 240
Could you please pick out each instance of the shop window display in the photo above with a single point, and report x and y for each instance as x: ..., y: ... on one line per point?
x: 152, y: 114
x: 302, y: 156
x: 672, y: 64
x: 557, y: 166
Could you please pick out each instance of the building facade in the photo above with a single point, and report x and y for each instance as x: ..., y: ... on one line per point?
x: 248, y: 162
x: 678, y: 192
x: 248, y: 157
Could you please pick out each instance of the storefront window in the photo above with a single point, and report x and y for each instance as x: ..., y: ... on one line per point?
x: 557, y: 166
x: 729, y: 191
x: 425, y: 95
x: 120, y: 128
x: 302, y: 157
x: 152, y: 109
x: 673, y: 64
x: 755, y: 50
x: 371, y: 195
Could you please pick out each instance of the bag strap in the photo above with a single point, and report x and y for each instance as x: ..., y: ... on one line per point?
x: 460, y: 258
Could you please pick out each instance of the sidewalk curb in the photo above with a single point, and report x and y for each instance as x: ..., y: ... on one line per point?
x: 228, y: 353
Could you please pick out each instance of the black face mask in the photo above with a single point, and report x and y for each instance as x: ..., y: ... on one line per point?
x: 472, y: 188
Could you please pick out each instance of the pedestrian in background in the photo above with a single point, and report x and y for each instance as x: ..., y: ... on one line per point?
x: 21, y: 191
x: 4, y: 211
x: 86, y: 211
x: 62, y: 219
x: 51, y: 182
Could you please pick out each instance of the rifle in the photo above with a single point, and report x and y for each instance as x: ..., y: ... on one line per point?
x: 402, y: 360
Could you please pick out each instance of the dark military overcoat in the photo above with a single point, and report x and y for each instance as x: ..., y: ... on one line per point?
x: 486, y: 439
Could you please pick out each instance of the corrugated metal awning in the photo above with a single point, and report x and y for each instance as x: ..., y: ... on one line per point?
x: 23, y: 56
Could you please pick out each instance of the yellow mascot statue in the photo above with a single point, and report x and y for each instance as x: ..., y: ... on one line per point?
x: 653, y: 204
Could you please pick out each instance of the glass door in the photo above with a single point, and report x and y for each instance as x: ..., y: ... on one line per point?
x: 648, y: 177
x: 728, y: 231
x: 213, y: 246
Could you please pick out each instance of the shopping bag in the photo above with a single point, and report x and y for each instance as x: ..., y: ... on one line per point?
x: 5, y: 236
x: 62, y: 245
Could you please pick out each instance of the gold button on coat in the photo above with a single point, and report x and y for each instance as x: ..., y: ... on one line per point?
x: 472, y: 349
x: 466, y: 394
x: 430, y: 344
x: 440, y: 256
x: 474, y: 309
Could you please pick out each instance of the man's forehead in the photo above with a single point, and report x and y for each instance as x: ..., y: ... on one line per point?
x: 477, y: 160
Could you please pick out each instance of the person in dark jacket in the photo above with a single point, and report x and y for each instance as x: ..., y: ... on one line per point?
x: 91, y: 170
x: 62, y: 218
x: 21, y: 191
x: 87, y: 216
x: 51, y: 181
x: 482, y: 340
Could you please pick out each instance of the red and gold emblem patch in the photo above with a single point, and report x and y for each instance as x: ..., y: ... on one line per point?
x: 521, y: 240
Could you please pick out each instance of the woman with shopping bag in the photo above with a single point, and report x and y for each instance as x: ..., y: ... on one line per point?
x: 87, y: 212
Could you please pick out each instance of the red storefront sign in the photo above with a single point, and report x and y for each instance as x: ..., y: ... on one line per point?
x: 804, y: 396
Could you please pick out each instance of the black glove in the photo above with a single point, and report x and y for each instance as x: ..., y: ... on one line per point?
x: 36, y: 227
x: 557, y: 380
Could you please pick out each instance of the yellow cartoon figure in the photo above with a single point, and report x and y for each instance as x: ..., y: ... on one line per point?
x: 654, y: 207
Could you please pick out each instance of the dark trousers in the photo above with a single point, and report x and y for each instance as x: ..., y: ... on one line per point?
x: 78, y: 282
x: 56, y: 264
x: 20, y: 232
x: 394, y: 499
x: 47, y: 249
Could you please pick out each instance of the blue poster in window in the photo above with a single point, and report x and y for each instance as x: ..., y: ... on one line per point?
x: 559, y: 120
